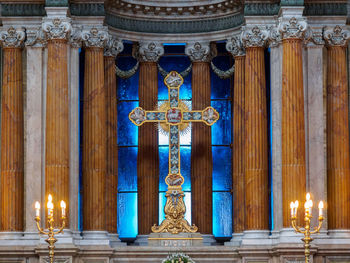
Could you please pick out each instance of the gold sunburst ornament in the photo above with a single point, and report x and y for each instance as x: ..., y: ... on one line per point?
x: 174, y: 116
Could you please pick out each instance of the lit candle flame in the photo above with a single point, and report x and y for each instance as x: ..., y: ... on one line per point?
x: 37, y: 205
x: 308, y: 196
x: 63, y: 204
x: 49, y: 203
x: 320, y: 205
x: 296, y: 204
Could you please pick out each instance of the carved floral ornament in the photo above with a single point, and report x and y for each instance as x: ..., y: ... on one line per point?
x: 294, y: 28
x: 95, y: 37
x: 12, y: 38
x: 200, y: 51
x: 113, y: 47
x: 235, y: 46
x: 336, y: 36
x: 254, y: 37
x: 57, y: 28
x: 148, y: 51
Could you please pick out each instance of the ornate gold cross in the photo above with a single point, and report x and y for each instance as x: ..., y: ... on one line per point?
x: 173, y: 117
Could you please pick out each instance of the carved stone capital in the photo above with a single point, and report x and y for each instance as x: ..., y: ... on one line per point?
x: 314, y: 36
x: 95, y: 37
x: 254, y: 37
x: 234, y: 45
x: 200, y: 51
x: 12, y: 37
x: 113, y: 47
x: 336, y: 36
x: 148, y: 51
x: 36, y: 37
x: 57, y: 28
x: 294, y: 28
x: 275, y: 37
x: 75, y: 39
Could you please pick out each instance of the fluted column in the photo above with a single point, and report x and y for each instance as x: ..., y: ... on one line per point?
x: 293, y: 122
x: 255, y: 145
x: 201, y: 153
x: 111, y: 51
x: 338, y: 163
x: 234, y: 46
x: 57, y: 113
x: 94, y: 132
x: 148, y: 54
x: 12, y: 139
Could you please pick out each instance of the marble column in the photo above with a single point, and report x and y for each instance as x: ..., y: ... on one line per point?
x: 338, y: 163
x: 256, y: 143
x: 12, y: 134
x: 57, y: 113
x: 201, y: 153
x: 148, y: 53
x: 293, y: 122
x: 111, y: 51
x: 94, y: 132
x: 234, y: 46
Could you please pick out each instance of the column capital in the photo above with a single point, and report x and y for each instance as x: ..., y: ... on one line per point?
x: 12, y: 37
x: 314, y: 36
x: 148, y: 51
x: 336, y: 36
x: 57, y: 28
x: 35, y: 37
x: 200, y: 51
x: 113, y: 47
x: 235, y: 46
x: 292, y: 28
x: 275, y: 37
x: 95, y: 37
x: 256, y: 36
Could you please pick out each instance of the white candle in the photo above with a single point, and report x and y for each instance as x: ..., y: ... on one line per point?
x: 50, y: 206
x: 37, y: 209
x: 63, y: 206
x: 296, y: 205
x: 291, y: 209
x: 320, y: 207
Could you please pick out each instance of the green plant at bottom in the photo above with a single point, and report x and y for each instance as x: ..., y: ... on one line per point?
x: 178, y: 258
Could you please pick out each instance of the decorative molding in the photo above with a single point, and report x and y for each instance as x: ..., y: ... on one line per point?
x: 174, y: 26
x: 95, y: 37
x: 87, y: 9
x: 56, y: 3
x: 336, y: 36
x: 222, y: 74
x: 314, y: 35
x: 183, y: 74
x: 261, y: 9
x: 23, y: 9
x: 125, y: 74
x: 254, y: 37
x: 36, y: 38
x: 325, y: 9
x: 275, y: 37
x: 294, y: 28
x: 176, y: 9
x: 148, y: 51
x: 200, y: 51
x: 12, y: 38
x: 75, y: 39
x: 292, y: 2
x: 57, y: 28
x: 235, y: 46
x: 113, y: 47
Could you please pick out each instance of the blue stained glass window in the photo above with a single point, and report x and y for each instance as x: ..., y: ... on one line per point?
x: 127, y: 169
x: 127, y: 131
x: 220, y: 87
x: 163, y: 167
x: 127, y: 215
x: 222, y: 130
x: 222, y: 179
x: 127, y: 88
x: 222, y: 214
x: 178, y: 63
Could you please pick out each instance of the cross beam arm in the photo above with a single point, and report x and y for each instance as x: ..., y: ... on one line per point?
x: 139, y: 116
x: 209, y: 116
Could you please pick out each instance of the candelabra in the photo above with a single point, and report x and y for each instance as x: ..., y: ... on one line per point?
x: 306, y: 231
x: 51, y: 240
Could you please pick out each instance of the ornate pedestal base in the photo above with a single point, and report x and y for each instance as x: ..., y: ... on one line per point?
x: 178, y: 240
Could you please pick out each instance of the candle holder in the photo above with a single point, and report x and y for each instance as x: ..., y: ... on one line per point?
x: 51, y: 240
x: 306, y: 231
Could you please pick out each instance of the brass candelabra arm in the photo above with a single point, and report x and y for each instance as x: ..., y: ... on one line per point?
x: 41, y: 230
x: 296, y: 228
x: 60, y: 230
x: 317, y: 229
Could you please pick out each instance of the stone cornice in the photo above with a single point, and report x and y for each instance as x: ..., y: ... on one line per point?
x: 261, y: 9
x: 23, y: 10
x: 176, y: 26
x: 325, y: 9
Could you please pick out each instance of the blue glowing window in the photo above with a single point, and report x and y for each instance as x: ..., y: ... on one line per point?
x: 127, y: 215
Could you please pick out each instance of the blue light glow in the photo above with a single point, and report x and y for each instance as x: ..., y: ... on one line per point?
x: 127, y: 215
x: 222, y: 214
